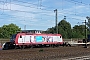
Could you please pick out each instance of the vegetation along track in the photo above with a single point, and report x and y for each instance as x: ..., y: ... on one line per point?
x: 43, y: 53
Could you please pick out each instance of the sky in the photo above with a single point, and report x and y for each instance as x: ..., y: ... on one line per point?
x: 40, y: 15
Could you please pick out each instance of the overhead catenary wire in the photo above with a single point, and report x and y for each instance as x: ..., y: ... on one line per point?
x: 78, y: 2
x: 31, y: 7
x: 75, y: 12
x: 24, y: 11
x: 38, y: 5
x: 75, y: 8
x: 27, y: 6
x: 42, y: 10
x: 62, y: 4
x: 3, y: 8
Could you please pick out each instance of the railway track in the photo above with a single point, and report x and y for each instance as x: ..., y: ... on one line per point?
x: 56, y: 53
x: 79, y: 58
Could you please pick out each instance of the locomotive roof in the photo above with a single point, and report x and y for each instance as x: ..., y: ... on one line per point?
x: 39, y: 34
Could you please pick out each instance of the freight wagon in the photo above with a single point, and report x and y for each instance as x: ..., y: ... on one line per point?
x: 22, y: 40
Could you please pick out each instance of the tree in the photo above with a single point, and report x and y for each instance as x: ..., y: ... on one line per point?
x: 78, y: 31
x: 64, y: 28
x: 7, y: 30
x: 51, y: 30
x: 1, y: 33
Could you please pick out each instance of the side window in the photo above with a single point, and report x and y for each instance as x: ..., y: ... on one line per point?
x: 60, y: 36
x: 20, y: 36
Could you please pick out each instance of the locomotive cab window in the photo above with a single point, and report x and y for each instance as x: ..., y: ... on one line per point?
x: 60, y: 36
x: 20, y: 36
x: 13, y: 37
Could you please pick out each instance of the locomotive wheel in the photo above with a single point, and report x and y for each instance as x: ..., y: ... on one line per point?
x: 6, y: 47
x: 52, y: 45
x: 57, y: 45
x: 20, y: 46
x: 23, y: 46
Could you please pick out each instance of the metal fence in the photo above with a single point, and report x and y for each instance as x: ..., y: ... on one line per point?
x: 3, y: 41
x: 67, y: 40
